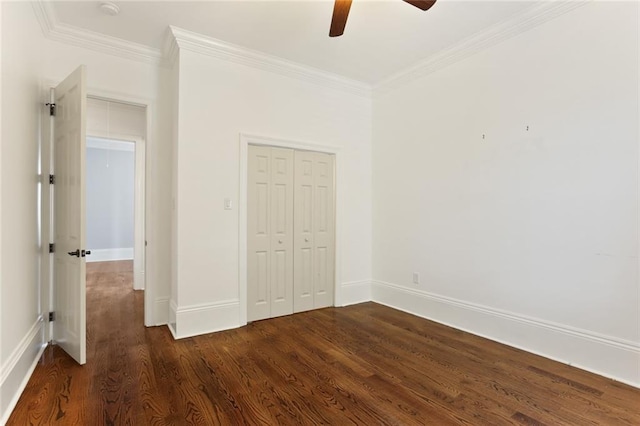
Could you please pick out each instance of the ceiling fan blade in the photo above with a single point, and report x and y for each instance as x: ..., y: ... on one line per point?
x: 339, y: 19
x: 421, y: 4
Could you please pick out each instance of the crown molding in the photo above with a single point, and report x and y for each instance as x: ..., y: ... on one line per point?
x: 199, y: 43
x: 540, y: 13
x: 178, y: 38
x: 170, y: 48
x: 80, y: 37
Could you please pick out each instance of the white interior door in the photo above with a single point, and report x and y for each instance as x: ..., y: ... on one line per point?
x: 281, y: 232
x: 314, y: 224
x: 323, y: 230
x: 258, y: 232
x: 69, y: 327
x: 303, y: 231
x: 269, y: 232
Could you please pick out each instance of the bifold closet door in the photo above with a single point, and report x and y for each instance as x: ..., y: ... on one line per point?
x: 270, y: 266
x: 314, y: 222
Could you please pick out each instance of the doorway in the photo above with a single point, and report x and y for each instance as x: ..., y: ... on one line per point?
x: 72, y: 115
x: 115, y: 161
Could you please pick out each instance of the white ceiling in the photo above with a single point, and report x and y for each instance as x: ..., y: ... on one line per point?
x: 382, y: 37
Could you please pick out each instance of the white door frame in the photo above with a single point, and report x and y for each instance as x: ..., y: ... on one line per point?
x: 139, y: 204
x: 151, y: 317
x: 142, y: 223
x: 245, y: 141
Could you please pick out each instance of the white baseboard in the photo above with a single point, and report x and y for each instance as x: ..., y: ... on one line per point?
x: 161, y: 311
x: 138, y: 280
x: 206, y: 318
x: 173, y: 313
x: 16, y: 371
x: 355, y: 292
x: 106, y: 255
x: 604, y: 355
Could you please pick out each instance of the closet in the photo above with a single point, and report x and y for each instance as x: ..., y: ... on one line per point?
x: 290, y: 231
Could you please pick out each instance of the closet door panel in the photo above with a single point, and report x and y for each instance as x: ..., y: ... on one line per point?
x: 323, y: 230
x: 281, y: 216
x: 258, y: 233
x: 303, y: 231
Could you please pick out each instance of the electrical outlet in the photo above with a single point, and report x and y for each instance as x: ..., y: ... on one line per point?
x: 416, y: 278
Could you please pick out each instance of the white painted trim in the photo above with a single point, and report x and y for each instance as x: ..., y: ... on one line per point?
x: 206, y: 318
x: 110, y: 144
x: 177, y: 38
x: 149, y: 260
x: 219, y: 49
x: 608, y: 356
x: 108, y: 255
x: 162, y: 311
x: 355, y: 292
x: 139, y: 215
x: 245, y: 141
x: 17, y: 369
x: 81, y: 37
x: 170, y: 48
x: 638, y: 203
x: 173, y: 314
x: 539, y: 13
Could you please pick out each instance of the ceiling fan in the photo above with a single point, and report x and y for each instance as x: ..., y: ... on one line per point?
x: 341, y: 11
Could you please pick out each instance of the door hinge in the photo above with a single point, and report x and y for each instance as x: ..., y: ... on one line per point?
x: 52, y: 108
x: 52, y: 179
x: 52, y: 247
x: 52, y: 316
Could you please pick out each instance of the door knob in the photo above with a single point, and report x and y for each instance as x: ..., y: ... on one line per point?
x: 306, y: 240
x: 280, y: 241
x: 74, y: 253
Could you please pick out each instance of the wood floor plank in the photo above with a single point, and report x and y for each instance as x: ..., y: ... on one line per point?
x: 365, y: 364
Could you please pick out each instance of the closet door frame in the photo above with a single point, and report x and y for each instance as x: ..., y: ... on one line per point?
x: 245, y: 141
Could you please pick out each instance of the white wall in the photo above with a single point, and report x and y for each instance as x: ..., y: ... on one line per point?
x: 21, y: 328
x: 110, y: 176
x: 30, y: 64
x: 217, y: 101
x: 527, y: 237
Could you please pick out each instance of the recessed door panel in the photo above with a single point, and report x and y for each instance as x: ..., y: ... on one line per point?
x: 262, y: 277
x: 262, y: 209
x: 279, y: 283
x: 321, y: 282
x: 282, y: 218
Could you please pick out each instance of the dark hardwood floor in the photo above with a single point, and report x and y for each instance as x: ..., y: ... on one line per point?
x: 365, y: 364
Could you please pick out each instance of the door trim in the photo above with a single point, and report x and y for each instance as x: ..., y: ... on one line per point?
x: 151, y: 317
x: 153, y: 312
x: 249, y: 139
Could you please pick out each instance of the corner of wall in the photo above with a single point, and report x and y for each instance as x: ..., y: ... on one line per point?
x: 17, y: 369
x: 355, y: 292
x: 189, y: 321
